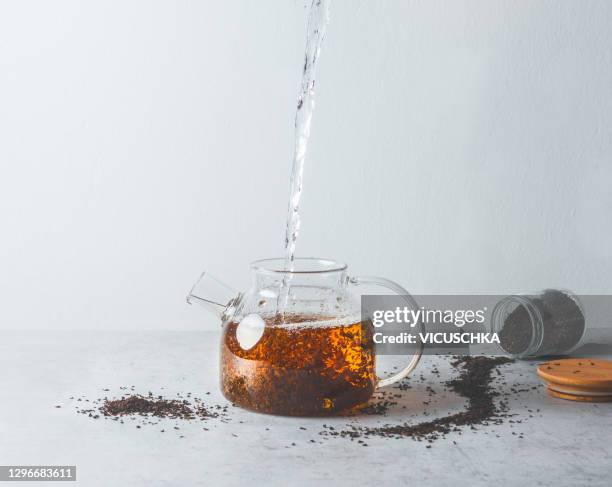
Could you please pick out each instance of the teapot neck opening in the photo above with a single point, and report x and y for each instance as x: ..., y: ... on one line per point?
x: 300, y: 266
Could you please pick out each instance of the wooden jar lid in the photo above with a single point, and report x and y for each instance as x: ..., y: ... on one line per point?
x: 581, y: 379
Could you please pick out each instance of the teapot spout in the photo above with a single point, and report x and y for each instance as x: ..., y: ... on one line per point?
x: 214, y: 295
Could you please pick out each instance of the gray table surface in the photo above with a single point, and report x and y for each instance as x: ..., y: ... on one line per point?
x: 565, y: 443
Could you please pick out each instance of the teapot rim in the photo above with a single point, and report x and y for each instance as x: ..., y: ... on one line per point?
x: 301, y: 265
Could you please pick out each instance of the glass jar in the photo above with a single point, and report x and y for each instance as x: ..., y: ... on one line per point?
x: 550, y: 322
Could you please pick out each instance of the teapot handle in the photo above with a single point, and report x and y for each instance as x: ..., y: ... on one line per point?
x: 397, y: 289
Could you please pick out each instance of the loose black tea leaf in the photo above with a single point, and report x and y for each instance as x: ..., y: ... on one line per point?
x: 473, y: 383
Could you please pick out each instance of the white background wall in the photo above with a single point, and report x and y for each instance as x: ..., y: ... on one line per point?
x: 457, y: 146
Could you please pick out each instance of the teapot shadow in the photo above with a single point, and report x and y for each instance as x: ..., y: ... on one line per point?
x: 409, y: 400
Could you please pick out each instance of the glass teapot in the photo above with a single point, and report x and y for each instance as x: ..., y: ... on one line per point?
x: 295, y: 343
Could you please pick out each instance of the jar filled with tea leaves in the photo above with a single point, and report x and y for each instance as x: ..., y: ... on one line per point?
x: 550, y: 322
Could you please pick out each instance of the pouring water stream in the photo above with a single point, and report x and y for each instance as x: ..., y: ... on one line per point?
x: 318, y: 18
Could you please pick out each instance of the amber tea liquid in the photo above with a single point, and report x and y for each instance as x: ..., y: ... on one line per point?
x: 301, y: 366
